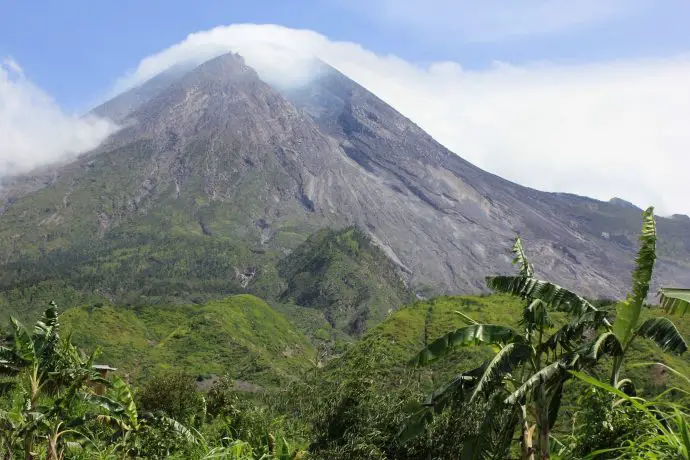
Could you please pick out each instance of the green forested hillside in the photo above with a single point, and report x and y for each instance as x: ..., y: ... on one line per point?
x: 322, y: 366
x: 339, y: 275
x: 239, y: 336
x: 344, y: 275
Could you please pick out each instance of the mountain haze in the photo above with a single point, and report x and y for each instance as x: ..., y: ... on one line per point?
x: 215, y: 156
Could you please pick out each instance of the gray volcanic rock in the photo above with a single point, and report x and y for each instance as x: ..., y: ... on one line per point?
x: 273, y: 167
x: 459, y: 219
x: 121, y: 106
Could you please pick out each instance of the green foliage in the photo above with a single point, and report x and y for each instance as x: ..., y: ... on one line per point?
x: 175, y: 394
x: 675, y: 300
x: 139, y: 434
x: 360, y: 413
x: 628, y: 312
x: 241, y: 335
x: 356, y: 419
x: 600, y: 424
x: 344, y: 274
x: 660, y: 428
x: 528, y: 371
x: 27, y: 301
x: 52, y: 409
x: 402, y: 335
x: 294, y: 377
x: 476, y: 334
x: 258, y: 420
x: 532, y: 369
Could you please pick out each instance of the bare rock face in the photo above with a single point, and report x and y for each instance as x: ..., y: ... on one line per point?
x: 333, y: 154
x: 450, y: 222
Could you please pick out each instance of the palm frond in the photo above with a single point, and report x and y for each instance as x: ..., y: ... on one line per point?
x: 526, y: 269
x: 605, y: 344
x: 546, y: 375
x: 475, y: 334
x: 555, y: 296
x: 628, y: 312
x: 674, y: 300
x: 573, y: 332
x: 507, y: 359
x: 664, y: 333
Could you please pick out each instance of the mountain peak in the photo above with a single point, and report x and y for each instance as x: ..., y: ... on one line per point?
x: 217, y: 154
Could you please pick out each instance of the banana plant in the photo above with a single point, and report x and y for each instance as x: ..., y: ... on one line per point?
x: 675, y: 300
x: 528, y: 370
x: 616, y: 338
x: 520, y: 371
x: 43, y: 364
x: 10, y: 423
x: 628, y: 324
x: 120, y: 412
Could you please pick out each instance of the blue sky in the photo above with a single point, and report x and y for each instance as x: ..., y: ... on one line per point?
x: 581, y: 96
x: 73, y: 49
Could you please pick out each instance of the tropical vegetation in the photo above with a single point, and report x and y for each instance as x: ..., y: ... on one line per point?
x: 533, y: 371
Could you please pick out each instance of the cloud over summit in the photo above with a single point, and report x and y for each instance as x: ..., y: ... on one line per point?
x: 601, y: 130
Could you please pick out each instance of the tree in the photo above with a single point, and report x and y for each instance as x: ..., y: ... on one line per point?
x: 527, y: 373
x: 531, y: 368
x: 617, y: 338
x: 174, y: 393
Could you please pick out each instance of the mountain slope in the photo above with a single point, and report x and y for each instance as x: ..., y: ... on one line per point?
x: 580, y: 242
x: 217, y: 158
x: 346, y: 276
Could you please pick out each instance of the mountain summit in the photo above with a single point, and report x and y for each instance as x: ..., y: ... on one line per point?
x: 215, y: 156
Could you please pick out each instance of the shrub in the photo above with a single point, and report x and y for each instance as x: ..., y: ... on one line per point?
x: 174, y: 393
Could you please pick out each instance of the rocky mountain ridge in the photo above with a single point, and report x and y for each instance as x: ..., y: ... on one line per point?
x: 234, y: 158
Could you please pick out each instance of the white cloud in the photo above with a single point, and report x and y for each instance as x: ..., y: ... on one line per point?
x: 33, y: 129
x: 494, y: 20
x: 614, y: 129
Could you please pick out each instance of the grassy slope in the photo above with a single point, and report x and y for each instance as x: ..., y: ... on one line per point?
x: 406, y: 331
x: 403, y: 334
x: 240, y: 335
